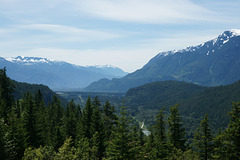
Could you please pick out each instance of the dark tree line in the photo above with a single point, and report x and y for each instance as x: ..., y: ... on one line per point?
x: 30, y: 129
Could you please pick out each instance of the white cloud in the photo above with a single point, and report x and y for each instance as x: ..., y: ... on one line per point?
x: 71, y: 32
x: 144, y: 11
x: 179, y: 40
x: 49, y: 35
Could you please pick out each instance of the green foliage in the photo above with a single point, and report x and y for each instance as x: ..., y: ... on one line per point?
x: 55, y: 114
x: 66, y: 152
x: 42, y: 126
x: 47, y: 94
x: 119, y: 146
x: 87, y: 119
x: 32, y: 130
x: 203, y: 139
x: 30, y: 120
x: 71, y: 119
x: 41, y: 153
x: 3, y: 139
x: 178, y: 154
x: 176, y: 130
x: 109, y: 119
x: 160, y: 150
x: 6, y: 98
x: 145, y: 101
x: 17, y: 134
x: 232, y: 133
x: 84, y: 149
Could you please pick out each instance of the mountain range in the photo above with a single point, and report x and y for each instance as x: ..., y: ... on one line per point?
x: 58, y: 75
x: 213, y: 63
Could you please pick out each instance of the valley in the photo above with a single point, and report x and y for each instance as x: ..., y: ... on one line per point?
x: 176, y: 101
x: 119, y: 80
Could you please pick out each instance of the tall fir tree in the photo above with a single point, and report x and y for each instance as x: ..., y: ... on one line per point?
x: 109, y: 119
x: 71, y: 120
x: 87, y: 119
x: 119, y: 145
x: 97, y: 128
x: 41, y: 120
x: 176, y: 130
x: 30, y: 120
x: 232, y: 133
x: 160, y: 150
x: 6, y: 97
x: 137, y: 149
x: 84, y: 151
x: 55, y: 119
x: 203, y: 139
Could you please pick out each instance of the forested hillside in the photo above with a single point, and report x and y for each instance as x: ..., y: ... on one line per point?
x: 31, y: 129
x: 20, y: 88
x: 195, y: 101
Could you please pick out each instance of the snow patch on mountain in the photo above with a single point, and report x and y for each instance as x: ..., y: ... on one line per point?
x: 105, y: 66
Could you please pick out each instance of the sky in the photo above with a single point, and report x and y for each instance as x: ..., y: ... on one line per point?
x: 122, y: 33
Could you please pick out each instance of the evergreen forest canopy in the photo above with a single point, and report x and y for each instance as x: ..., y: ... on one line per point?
x: 195, y: 101
x: 32, y: 129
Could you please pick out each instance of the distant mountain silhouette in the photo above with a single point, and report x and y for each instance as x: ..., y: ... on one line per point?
x: 56, y: 74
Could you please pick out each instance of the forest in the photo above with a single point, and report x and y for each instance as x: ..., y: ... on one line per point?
x: 30, y: 128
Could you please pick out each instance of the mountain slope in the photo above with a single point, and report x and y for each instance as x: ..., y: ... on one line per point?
x: 195, y: 101
x: 56, y: 74
x: 213, y: 63
x: 21, y: 88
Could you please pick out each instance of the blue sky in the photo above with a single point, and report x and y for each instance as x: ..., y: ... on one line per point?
x: 123, y: 33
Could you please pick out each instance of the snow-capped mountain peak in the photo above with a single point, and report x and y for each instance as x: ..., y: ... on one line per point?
x: 235, y: 32
x: 29, y: 60
x: 224, y: 38
x: 217, y: 43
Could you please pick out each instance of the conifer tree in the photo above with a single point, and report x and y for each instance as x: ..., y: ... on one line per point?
x: 160, y: 142
x: 84, y: 151
x: 232, y: 133
x: 6, y: 98
x: 30, y: 120
x: 97, y: 128
x: 96, y: 124
x: 176, y: 131
x: 137, y: 149
x: 71, y: 120
x: 66, y: 151
x: 55, y: 121
x: 16, y: 136
x: 119, y: 146
x: 203, y: 139
x: 41, y: 120
x: 87, y: 119
x: 109, y: 119
x: 96, y: 151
